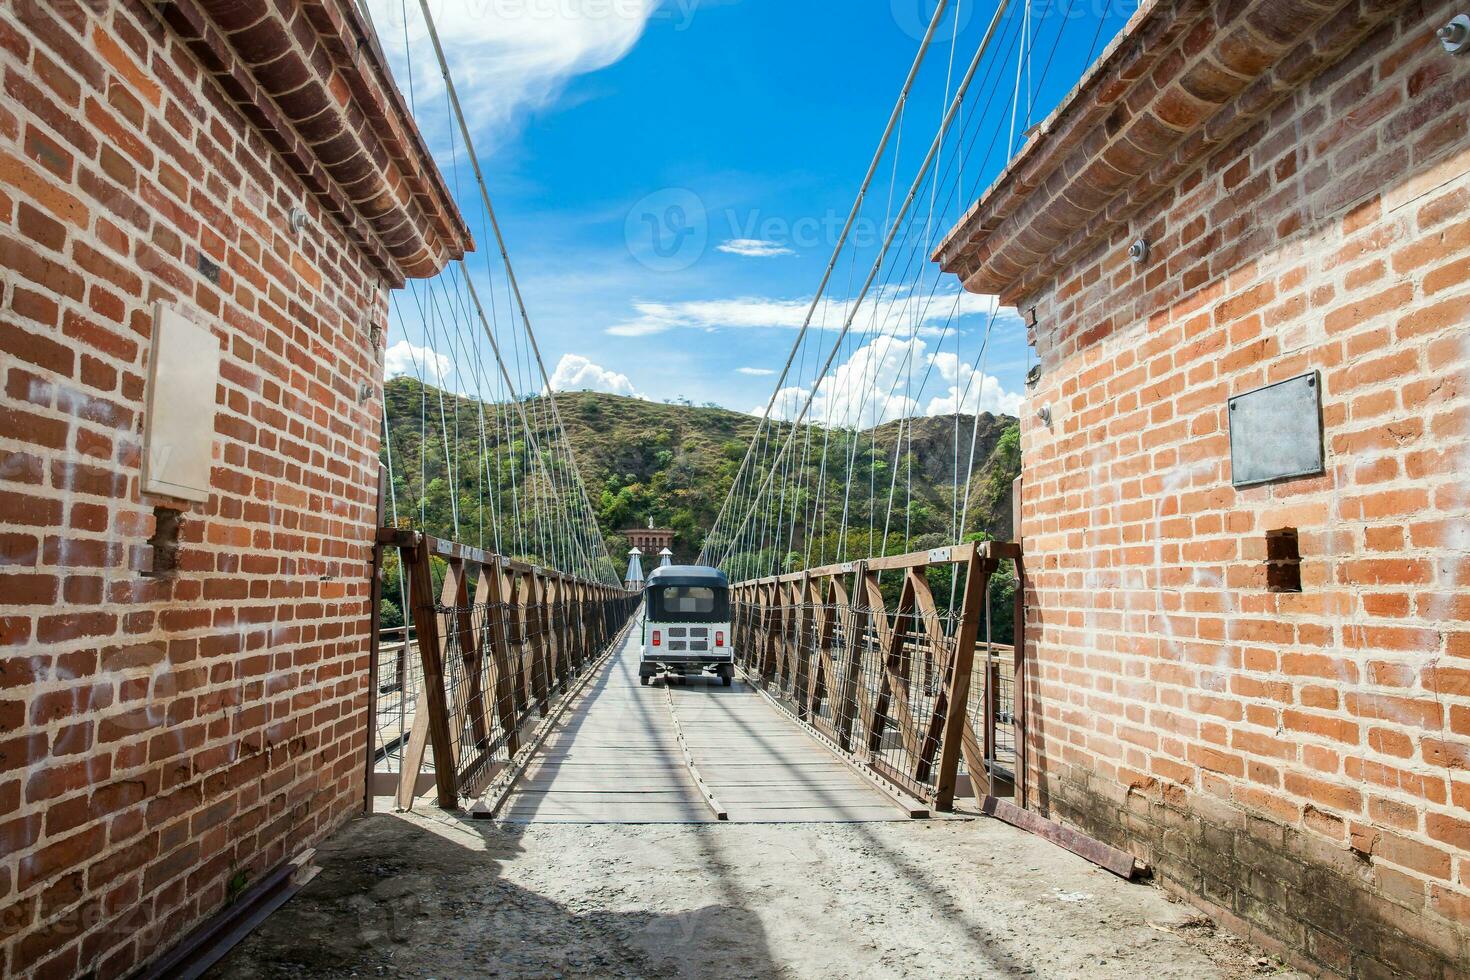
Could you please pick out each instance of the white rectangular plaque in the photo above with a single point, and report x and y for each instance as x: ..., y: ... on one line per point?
x: 178, y: 434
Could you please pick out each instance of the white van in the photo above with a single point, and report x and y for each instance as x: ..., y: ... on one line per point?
x: 687, y: 626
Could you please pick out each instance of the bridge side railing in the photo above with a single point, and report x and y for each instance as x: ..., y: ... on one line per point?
x: 397, y: 681
x: 905, y: 684
x: 490, y: 646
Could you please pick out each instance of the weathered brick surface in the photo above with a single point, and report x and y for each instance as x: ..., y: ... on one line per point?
x: 1296, y: 763
x: 161, y: 739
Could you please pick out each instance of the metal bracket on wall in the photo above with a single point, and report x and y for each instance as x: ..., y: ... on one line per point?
x: 1455, y: 36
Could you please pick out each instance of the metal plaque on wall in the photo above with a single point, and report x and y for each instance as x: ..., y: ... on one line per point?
x: 1276, y: 431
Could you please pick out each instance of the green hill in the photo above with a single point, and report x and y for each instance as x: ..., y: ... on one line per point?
x: 675, y: 463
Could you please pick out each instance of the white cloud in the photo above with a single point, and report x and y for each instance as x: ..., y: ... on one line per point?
x: 575, y: 373
x: 754, y: 248
x: 866, y: 389
x: 756, y: 372
x: 878, y: 384
x: 404, y: 359
x: 712, y: 314
x: 896, y: 311
x: 972, y: 391
x: 641, y: 327
x: 508, y: 57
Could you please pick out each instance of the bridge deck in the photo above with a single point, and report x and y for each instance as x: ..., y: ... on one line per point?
x: 617, y: 757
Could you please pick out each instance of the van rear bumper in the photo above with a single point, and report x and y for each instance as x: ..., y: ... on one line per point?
x: 688, y: 659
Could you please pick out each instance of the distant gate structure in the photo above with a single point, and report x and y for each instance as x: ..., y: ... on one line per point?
x: 650, y: 540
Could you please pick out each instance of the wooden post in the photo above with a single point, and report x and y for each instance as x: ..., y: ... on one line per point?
x: 577, y: 639
x: 411, y: 762
x: 579, y: 625
x: 795, y: 637
x: 952, y: 706
x: 561, y: 619
x: 823, y: 670
x: 772, y: 628
x: 494, y: 642
x: 435, y: 702
x: 791, y: 643
x: 855, y: 624
x: 458, y: 622
x: 531, y: 616
x: 516, y: 632
x: 478, y: 695
x: 893, y: 683
x: 806, y: 639
x: 758, y: 626
x: 549, y: 627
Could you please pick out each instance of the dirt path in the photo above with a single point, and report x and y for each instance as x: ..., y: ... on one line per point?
x: 434, y: 896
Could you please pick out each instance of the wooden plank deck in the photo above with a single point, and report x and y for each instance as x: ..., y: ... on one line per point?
x: 616, y: 758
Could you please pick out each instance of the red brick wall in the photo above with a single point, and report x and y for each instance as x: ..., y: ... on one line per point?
x: 165, y: 739
x: 1298, y: 763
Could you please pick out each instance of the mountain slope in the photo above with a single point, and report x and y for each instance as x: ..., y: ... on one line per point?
x: 674, y: 463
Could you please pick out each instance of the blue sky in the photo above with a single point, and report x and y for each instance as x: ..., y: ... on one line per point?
x: 671, y: 177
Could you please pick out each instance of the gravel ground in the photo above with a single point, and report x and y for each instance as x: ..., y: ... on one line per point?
x: 431, y: 895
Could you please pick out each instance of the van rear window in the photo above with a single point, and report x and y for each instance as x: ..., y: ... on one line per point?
x: 689, y: 599
x: 688, y: 604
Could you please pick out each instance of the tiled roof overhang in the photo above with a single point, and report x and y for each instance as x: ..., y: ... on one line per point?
x: 308, y: 74
x: 1183, y: 77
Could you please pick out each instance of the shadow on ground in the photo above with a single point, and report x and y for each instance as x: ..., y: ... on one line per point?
x: 426, y: 898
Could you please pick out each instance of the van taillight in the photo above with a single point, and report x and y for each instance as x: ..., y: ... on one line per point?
x: 719, y: 638
x: 657, y: 638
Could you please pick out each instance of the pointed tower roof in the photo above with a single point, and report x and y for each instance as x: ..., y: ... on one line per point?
x: 634, y: 578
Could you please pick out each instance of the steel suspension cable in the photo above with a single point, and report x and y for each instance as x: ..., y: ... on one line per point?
x: 908, y: 201
x: 893, y: 120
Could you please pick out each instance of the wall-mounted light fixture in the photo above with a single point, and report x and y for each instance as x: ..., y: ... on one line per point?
x: 1044, y: 414
x: 1455, y: 36
x: 1033, y: 376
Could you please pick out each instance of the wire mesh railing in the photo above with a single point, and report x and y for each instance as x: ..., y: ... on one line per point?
x: 994, y: 674
x: 902, y: 680
x: 399, y: 682
x: 492, y: 645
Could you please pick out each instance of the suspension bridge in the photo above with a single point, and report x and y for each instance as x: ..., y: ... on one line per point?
x: 876, y: 636
x: 871, y: 682
x: 262, y: 328
x: 871, y: 686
